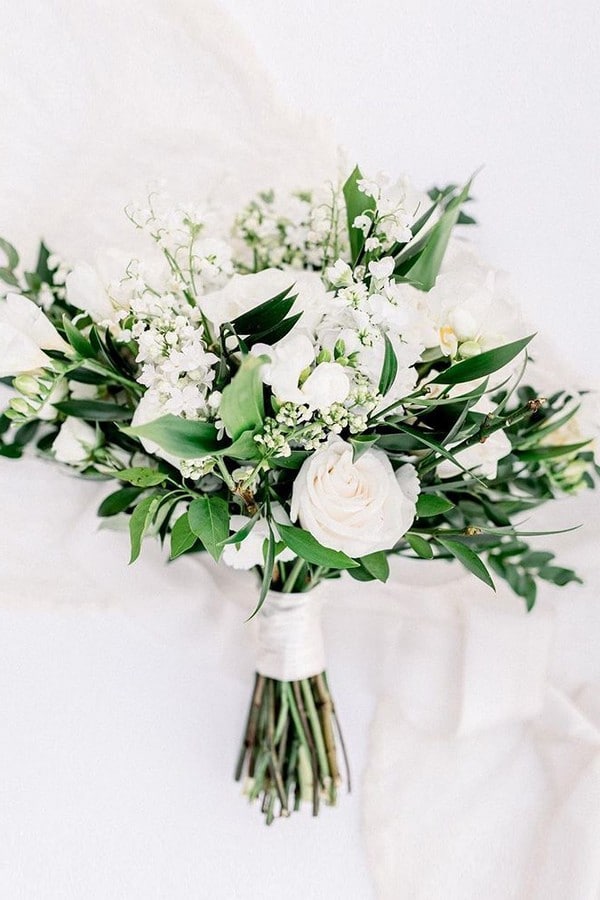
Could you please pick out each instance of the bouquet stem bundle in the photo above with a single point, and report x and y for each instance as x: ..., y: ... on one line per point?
x: 289, y: 753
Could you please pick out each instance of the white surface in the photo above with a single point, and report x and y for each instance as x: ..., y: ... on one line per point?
x: 436, y: 89
x: 123, y: 690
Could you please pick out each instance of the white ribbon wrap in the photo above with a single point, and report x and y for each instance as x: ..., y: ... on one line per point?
x: 289, y: 637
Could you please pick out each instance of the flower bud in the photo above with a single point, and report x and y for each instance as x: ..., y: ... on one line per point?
x: 469, y: 349
x: 27, y: 385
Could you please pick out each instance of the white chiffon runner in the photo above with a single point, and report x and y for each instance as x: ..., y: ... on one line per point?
x: 123, y: 691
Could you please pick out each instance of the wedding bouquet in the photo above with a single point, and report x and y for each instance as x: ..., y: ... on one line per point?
x: 331, y: 379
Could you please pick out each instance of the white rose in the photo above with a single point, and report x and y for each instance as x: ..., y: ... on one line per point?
x: 481, y: 459
x: 25, y: 332
x: 356, y: 507
x: 249, y: 552
x: 75, y: 442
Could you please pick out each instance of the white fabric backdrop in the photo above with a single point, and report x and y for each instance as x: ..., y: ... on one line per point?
x: 123, y: 691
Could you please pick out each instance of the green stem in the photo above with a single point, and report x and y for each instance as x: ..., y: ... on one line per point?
x: 290, y: 581
x: 482, y: 434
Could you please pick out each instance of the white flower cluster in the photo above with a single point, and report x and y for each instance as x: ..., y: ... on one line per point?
x: 181, y: 233
x: 300, y: 230
x: 176, y: 366
x: 390, y: 222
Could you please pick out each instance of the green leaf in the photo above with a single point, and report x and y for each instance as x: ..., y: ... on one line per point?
x: 485, y: 364
x: 182, y: 537
x: 265, y: 315
x: 269, y: 557
x: 12, y: 257
x: 141, y: 476
x: 118, y: 501
x: 356, y: 204
x: 420, y: 546
x: 536, y: 558
x: 361, y: 443
x: 304, y: 544
x: 526, y: 587
x: 423, y: 272
x: 468, y: 558
x: 377, y: 565
x: 432, y: 505
x: 209, y: 520
x: 389, y: 369
x: 140, y: 521
x: 535, y: 454
x: 361, y: 574
x: 94, y: 410
x: 242, y: 406
x: 244, y: 447
x: 181, y: 437
x: 77, y: 340
x: 559, y: 576
x: 274, y: 334
x: 242, y: 534
x: 7, y: 276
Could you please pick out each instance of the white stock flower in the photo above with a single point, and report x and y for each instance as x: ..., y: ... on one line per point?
x: 249, y: 552
x: 288, y: 360
x: 75, y: 442
x: 25, y: 332
x: 326, y: 385
x: 481, y: 459
x: 356, y: 507
x: 470, y: 304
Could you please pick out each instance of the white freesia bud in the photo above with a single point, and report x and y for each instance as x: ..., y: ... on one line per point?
x: 25, y: 332
x: 481, y: 459
x: 75, y: 442
x: 356, y: 507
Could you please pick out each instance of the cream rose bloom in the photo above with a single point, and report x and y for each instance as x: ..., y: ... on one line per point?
x: 356, y: 507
